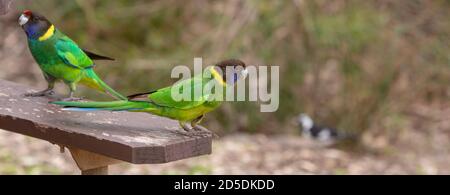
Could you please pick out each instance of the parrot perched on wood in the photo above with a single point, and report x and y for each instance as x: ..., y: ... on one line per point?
x: 161, y: 102
x: 60, y: 58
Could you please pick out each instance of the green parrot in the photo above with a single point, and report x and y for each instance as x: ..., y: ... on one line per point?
x: 162, y: 103
x: 60, y: 58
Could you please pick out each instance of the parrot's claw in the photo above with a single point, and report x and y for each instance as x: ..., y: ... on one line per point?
x: 196, y: 130
x: 41, y: 93
x: 200, y: 129
x: 203, y: 131
x: 185, y: 127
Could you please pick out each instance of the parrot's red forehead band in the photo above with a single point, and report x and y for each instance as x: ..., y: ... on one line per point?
x: 27, y: 13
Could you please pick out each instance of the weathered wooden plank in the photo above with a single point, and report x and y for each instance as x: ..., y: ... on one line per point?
x: 137, y: 138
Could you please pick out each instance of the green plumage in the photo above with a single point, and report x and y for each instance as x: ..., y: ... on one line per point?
x: 60, y: 58
x: 161, y: 102
x: 205, y: 94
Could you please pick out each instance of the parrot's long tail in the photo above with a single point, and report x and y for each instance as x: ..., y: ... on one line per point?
x: 93, y: 81
x: 108, y: 106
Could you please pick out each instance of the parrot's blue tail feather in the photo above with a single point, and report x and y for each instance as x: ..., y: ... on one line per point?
x: 99, y: 106
x: 82, y: 109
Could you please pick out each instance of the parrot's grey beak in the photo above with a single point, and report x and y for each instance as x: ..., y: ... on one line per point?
x: 23, y: 20
x: 244, y: 73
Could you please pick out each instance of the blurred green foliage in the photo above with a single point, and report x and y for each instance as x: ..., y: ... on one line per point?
x: 349, y: 63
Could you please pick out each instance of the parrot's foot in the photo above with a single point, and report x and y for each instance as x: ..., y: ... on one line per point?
x: 203, y: 131
x: 199, y: 133
x: 71, y: 99
x: 185, y: 127
x: 196, y: 130
x: 47, y: 92
x: 200, y: 129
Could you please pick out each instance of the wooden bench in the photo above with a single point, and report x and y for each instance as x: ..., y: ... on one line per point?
x: 98, y: 139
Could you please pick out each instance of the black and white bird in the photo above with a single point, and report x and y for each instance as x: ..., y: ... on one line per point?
x: 320, y: 133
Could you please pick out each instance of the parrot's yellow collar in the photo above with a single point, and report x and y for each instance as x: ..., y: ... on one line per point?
x: 217, y: 76
x: 48, y: 34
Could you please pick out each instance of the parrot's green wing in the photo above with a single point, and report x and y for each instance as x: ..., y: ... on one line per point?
x: 163, y: 97
x: 72, y: 55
